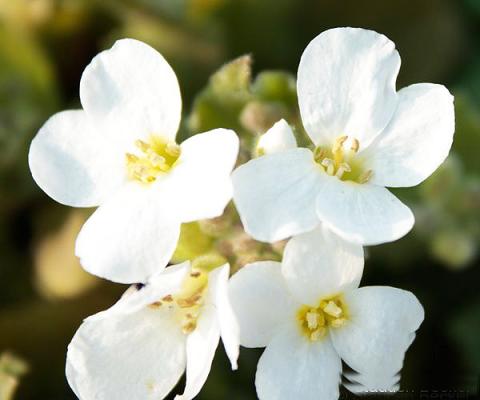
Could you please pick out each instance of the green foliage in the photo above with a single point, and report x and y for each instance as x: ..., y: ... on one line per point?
x: 28, y: 95
x: 464, y: 328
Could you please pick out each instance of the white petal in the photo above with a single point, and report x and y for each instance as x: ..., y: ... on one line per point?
x: 129, y: 238
x: 201, y: 346
x: 417, y: 139
x: 229, y: 329
x: 134, y: 356
x: 346, y: 85
x: 275, y: 194
x: 292, y: 367
x: 362, y: 213
x: 261, y: 302
x: 74, y: 162
x: 140, y: 296
x: 278, y: 138
x: 133, y: 83
x: 200, y: 186
x: 319, y: 263
x: 379, y: 331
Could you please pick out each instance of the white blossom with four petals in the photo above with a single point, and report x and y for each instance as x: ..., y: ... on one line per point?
x: 141, y: 346
x: 367, y: 137
x: 310, y: 314
x: 119, y: 153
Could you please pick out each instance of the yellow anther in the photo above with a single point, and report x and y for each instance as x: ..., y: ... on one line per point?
x: 190, y: 301
x: 131, y: 158
x: 315, y: 321
x: 312, y: 320
x: 338, y: 144
x: 318, y: 154
x: 329, y: 165
x: 186, y: 305
x: 189, y: 327
x: 142, y: 145
x: 155, y: 158
x: 332, y: 309
x: 355, y: 145
x: 365, y: 176
x: 172, y: 149
x: 337, y: 323
x: 337, y: 149
x: 343, y: 163
x: 318, y: 334
x: 158, y: 157
x: 344, y: 167
x: 156, y: 304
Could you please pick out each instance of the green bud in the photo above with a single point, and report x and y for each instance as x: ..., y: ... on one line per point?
x: 193, y: 242
x: 208, y: 262
x: 233, y: 78
x: 222, y: 100
x: 276, y: 86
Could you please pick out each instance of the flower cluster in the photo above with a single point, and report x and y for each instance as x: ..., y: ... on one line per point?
x: 119, y: 152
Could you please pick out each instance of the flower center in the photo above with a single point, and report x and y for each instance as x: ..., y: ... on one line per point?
x: 330, y: 313
x: 154, y: 157
x: 187, y: 304
x: 343, y: 163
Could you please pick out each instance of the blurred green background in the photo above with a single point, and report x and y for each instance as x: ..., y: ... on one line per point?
x: 46, y: 44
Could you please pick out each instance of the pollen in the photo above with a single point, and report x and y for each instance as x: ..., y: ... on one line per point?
x: 187, y: 304
x: 342, y: 160
x: 153, y: 158
x: 314, y: 322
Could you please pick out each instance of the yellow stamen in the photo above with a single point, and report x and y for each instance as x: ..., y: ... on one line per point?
x: 318, y: 334
x: 142, y: 145
x: 337, y: 149
x: 315, y: 321
x: 365, y: 176
x: 173, y: 149
x: 343, y: 163
x: 157, y: 157
x: 344, y: 167
x: 319, y: 154
x: 332, y: 309
x: 131, y: 158
x: 337, y: 323
x: 188, y: 302
x: 312, y: 320
x: 355, y: 145
x: 330, y: 165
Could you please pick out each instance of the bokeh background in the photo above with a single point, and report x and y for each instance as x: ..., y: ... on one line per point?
x: 46, y: 44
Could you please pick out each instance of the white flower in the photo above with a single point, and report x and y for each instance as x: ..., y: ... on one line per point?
x: 119, y: 152
x: 367, y: 135
x: 278, y: 138
x: 140, y: 347
x: 310, y: 315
